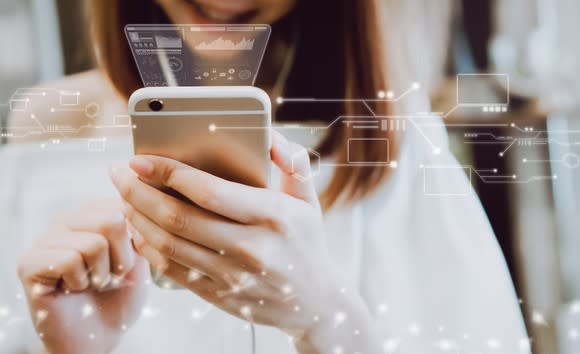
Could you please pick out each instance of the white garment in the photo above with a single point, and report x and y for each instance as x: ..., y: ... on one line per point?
x: 428, y: 267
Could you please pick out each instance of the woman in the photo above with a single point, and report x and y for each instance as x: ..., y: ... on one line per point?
x: 374, y: 265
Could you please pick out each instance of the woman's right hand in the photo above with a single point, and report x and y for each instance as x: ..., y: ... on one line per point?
x: 83, y: 280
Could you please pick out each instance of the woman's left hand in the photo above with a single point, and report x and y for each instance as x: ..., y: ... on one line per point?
x: 257, y: 253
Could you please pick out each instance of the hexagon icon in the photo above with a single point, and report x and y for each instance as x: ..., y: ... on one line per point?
x: 314, y: 165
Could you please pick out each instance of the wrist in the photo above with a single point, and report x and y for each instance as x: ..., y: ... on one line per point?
x: 346, y: 327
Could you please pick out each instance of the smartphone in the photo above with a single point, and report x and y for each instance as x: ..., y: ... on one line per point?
x: 223, y: 130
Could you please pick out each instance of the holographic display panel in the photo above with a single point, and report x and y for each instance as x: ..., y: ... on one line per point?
x: 198, y: 55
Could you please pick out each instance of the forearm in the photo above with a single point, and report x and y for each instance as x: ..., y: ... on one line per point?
x: 348, y: 329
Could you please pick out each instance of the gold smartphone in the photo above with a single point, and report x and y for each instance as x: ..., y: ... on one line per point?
x: 223, y: 130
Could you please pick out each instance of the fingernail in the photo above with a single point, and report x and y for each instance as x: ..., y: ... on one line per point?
x: 142, y: 166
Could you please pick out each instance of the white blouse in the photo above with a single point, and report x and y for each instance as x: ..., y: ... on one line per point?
x: 420, y: 251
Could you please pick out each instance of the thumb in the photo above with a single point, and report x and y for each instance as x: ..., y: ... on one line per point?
x: 294, y: 163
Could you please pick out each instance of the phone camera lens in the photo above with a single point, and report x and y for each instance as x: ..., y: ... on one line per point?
x: 156, y: 105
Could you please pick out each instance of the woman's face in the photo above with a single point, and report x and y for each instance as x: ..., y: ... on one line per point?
x: 226, y: 11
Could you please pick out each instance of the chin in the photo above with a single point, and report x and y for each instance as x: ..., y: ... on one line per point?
x: 209, y: 12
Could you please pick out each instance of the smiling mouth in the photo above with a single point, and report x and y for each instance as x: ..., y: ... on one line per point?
x: 222, y: 16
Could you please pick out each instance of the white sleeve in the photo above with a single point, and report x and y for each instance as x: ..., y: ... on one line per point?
x: 432, y: 262
x: 16, y: 332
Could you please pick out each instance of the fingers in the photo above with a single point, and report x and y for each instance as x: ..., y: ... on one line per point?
x: 186, y: 253
x: 93, y: 250
x: 294, y: 163
x: 110, y: 223
x: 42, y: 271
x: 187, y: 221
x: 235, y: 201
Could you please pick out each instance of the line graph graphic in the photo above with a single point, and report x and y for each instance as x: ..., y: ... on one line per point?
x: 226, y: 44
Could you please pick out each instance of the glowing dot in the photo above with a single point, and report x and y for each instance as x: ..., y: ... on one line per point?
x: 193, y: 275
x: 514, y: 176
x: 440, y: 328
x: 167, y: 285
x: 391, y: 345
x: 279, y: 100
x: 44, y: 93
x: 212, y: 127
x: 261, y: 302
x: 222, y: 252
x: 493, y: 343
x: 524, y: 160
x: 512, y: 125
x: 316, y: 318
x: 414, y: 329
x: 495, y: 170
x: 339, y: 318
x: 296, y: 308
x: 263, y: 273
x: 445, y: 345
x: 485, y: 109
x: 4, y: 311
x: 52, y: 110
x: 504, y: 109
x: 343, y: 290
x: 501, y: 154
x: 381, y: 94
x: 196, y: 314
x: 416, y: 85
x: 123, y: 327
x: 120, y: 267
x: 51, y: 268
x: 394, y: 164
x: 290, y: 266
x: 41, y: 335
x: 436, y: 151
x: 337, y: 350
x: 382, y: 308
x: 287, y: 289
x: 555, y: 176
x: 91, y: 336
x: 356, y: 332
x: 149, y: 312
x: 41, y: 315
x: 246, y: 311
x: 87, y: 311
x: 538, y: 318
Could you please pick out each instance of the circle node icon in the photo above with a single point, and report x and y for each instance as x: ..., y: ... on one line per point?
x: 571, y: 160
x: 92, y: 109
x: 175, y: 64
x: 245, y: 74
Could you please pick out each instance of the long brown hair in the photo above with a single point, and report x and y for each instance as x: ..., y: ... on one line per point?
x: 340, y: 40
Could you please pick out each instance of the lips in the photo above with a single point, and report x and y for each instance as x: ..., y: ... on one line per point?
x: 216, y: 12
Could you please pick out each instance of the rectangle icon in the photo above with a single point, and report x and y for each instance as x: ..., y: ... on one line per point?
x: 69, y: 98
x: 437, y: 181
x: 97, y: 145
x: 375, y: 144
x: 18, y: 105
x: 475, y: 89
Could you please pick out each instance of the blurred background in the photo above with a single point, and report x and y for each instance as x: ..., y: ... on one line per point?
x: 534, y: 41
